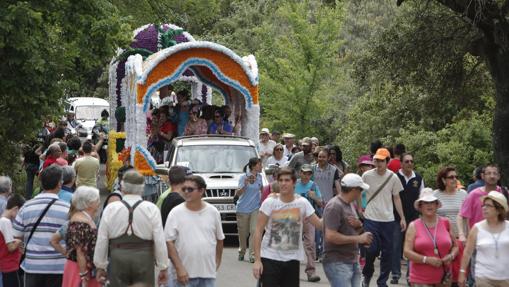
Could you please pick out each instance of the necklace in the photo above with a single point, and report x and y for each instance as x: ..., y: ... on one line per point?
x: 496, y: 243
x: 433, y: 237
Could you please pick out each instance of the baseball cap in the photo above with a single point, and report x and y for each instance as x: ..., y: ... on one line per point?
x: 306, y: 168
x: 353, y: 180
x: 498, y: 197
x: 426, y: 195
x: 365, y: 160
x: 382, y: 153
x: 265, y: 131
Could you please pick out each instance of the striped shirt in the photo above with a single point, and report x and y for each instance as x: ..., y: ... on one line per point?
x: 41, y: 257
x: 451, y: 205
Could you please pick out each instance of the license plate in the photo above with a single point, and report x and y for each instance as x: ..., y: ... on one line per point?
x: 225, y: 207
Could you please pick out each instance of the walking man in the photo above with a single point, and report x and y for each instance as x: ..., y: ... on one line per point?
x: 131, y: 233
x: 194, y: 236
x: 384, y: 188
x: 86, y: 167
x: 342, y: 229
x: 36, y: 221
x: 278, y: 256
x: 303, y: 157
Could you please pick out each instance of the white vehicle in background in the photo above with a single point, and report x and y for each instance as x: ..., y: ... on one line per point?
x: 87, y: 111
x: 220, y: 161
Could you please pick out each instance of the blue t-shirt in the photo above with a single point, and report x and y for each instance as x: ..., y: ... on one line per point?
x: 183, y: 118
x: 250, y: 200
x: 65, y: 194
x: 226, y: 127
x: 303, y: 189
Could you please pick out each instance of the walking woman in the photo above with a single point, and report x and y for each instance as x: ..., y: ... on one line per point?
x: 430, y: 244
x: 249, y: 193
x: 490, y: 239
x: 80, y: 239
x: 451, y: 198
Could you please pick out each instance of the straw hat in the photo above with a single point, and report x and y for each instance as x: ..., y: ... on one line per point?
x: 426, y: 195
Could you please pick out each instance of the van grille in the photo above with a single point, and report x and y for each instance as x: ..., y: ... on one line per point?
x: 220, y: 193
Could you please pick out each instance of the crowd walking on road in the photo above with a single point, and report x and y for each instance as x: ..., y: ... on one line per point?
x: 296, y: 202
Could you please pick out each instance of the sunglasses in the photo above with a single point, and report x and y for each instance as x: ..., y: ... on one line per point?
x: 189, y: 189
x: 279, y: 149
x: 217, y: 116
x: 451, y: 177
x: 408, y: 161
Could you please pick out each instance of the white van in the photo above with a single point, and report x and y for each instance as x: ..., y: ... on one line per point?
x: 87, y: 111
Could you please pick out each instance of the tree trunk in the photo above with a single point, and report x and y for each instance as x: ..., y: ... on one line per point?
x: 497, y: 60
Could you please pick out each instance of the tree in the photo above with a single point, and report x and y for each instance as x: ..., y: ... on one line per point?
x: 297, y: 62
x: 489, y: 20
x: 49, y: 50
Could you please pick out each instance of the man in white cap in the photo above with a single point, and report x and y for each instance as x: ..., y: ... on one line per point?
x: 343, y: 234
x: 266, y: 146
x: 289, y: 140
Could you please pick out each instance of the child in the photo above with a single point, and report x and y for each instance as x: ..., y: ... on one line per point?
x: 10, y: 248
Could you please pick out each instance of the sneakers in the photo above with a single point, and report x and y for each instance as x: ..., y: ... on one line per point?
x: 241, y: 257
x: 313, y: 278
x: 394, y: 280
x: 251, y: 259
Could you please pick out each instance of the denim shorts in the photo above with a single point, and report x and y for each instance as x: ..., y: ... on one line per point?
x: 342, y: 274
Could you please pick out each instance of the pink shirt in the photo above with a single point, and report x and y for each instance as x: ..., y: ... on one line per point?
x: 421, y: 273
x: 472, y: 206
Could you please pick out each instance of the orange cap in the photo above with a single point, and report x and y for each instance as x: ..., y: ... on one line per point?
x: 382, y: 154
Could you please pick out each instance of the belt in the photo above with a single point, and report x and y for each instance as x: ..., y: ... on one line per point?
x: 132, y: 245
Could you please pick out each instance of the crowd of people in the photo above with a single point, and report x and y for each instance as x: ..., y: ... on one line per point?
x: 316, y: 208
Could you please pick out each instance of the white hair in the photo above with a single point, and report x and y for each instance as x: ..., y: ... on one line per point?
x: 84, y: 196
x: 5, y: 184
x: 131, y: 188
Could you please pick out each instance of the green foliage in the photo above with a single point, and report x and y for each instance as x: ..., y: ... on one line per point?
x: 297, y: 64
x: 49, y: 50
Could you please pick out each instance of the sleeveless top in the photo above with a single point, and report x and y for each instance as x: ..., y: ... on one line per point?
x: 491, y: 263
x: 421, y: 273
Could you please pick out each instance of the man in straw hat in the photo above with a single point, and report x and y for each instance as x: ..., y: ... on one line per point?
x: 131, y: 232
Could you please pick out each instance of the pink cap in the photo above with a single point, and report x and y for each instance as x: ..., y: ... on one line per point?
x: 365, y: 159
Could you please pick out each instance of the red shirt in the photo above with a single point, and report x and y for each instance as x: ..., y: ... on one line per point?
x: 10, y: 260
x: 394, y: 165
x: 49, y: 161
x: 167, y: 127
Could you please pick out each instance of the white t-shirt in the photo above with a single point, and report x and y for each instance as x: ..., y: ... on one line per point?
x: 6, y: 229
x: 282, y: 162
x: 264, y: 148
x: 195, y: 234
x: 381, y: 208
x: 282, y: 240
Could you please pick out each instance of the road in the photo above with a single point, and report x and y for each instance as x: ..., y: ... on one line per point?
x: 233, y: 273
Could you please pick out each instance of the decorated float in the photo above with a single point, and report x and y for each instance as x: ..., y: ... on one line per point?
x: 160, y: 55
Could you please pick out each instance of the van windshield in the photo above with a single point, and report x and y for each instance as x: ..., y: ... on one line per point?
x: 89, y: 112
x: 215, y: 158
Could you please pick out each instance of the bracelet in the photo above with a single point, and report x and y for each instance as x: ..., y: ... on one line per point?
x: 463, y: 271
x: 424, y: 259
x: 83, y: 274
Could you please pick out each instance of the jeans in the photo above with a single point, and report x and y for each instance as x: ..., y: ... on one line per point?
x: 198, y: 282
x: 31, y: 170
x: 341, y: 274
x: 382, y: 242
x: 397, y: 250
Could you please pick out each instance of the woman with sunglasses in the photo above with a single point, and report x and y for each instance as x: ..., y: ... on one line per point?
x: 452, y: 198
x: 490, y: 239
x: 430, y: 244
x: 195, y: 125
x: 277, y: 157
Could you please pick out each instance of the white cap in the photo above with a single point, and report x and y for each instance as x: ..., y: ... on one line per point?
x: 265, y: 131
x: 353, y: 180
